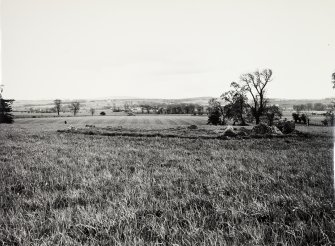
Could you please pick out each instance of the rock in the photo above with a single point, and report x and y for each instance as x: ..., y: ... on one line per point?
x: 229, y: 132
x: 286, y: 127
x: 89, y: 125
x: 275, y: 130
x: 192, y: 127
x: 262, y: 128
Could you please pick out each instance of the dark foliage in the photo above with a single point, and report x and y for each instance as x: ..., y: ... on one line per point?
x: 215, y: 113
x: 214, y: 117
x: 6, y: 115
x: 273, y: 112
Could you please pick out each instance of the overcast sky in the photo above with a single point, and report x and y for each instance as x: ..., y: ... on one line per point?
x: 164, y: 48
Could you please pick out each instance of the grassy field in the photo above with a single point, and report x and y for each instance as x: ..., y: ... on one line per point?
x: 138, y: 121
x: 74, y: 189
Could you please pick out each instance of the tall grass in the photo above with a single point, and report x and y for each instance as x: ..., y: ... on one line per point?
x: 71, y: 189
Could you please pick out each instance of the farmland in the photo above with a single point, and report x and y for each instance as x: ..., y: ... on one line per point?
x: 139, y: 121
x: 74, y: 189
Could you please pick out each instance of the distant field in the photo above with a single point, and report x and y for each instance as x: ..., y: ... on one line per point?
x: 138, y: 121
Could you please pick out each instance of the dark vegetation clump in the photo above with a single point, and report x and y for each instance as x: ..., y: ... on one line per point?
x: 192, y: 127
x: 102, y: 113
x: 286, y: 127
x: 214, y: 117
x: 6, y: 115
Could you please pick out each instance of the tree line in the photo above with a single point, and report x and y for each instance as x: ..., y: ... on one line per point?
x: 177, y: 108
x: 311, y: 107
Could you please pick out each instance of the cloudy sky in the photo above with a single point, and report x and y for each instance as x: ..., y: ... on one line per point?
x: 164, y: 48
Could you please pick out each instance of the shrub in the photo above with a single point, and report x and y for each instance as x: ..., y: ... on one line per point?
x: 214, y: 117
x: 286, y: 127
x: 295, y: 117
x: 6, y: 115
x: 329, y: 119
x: 192, y: 127
x: 102, y: 113
x: 303, y: 117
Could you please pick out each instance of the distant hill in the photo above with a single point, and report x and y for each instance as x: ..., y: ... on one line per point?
x: 288, y: 103
x: 23, y: 105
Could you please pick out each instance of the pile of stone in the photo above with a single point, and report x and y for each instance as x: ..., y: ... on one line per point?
x: 263, y: 129
x: 229, y: 132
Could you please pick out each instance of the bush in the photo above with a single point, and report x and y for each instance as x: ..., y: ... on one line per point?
x: 296, y: 117
x: 286, y: 127
x: 324, y: 122
x: 329, y: 119
x: 303, y: 117
x: 102, y: 113
x: 192, y: 127
x: 214, y: 117
x: 6, y: 115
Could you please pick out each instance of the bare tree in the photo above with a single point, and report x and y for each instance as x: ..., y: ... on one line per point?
x: 92, y: 110
x: 75, y: 107
x: 255, y: 83
x: 58, y: 105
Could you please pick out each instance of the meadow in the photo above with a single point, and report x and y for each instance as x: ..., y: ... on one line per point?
x: 59, y: 188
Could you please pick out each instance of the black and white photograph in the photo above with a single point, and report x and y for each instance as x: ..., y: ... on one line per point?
x: 167, y: 122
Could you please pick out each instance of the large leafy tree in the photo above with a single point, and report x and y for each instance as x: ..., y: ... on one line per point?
x: 255, y: 83
x: 237, y: 103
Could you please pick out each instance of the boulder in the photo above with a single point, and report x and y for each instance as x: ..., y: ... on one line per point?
x: 276, y: 131
x: 229, y: 132
x: 192, y: 127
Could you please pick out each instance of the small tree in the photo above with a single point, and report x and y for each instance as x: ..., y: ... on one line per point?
x: 75, y: 107
x: 272, y: 112
x: 303, y: 118
x: 295, y: 117
x: 255, y: 83
x: 215, y: 112
x: 92, y: 111
x: 237, y: 103
x: 58, y: 105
